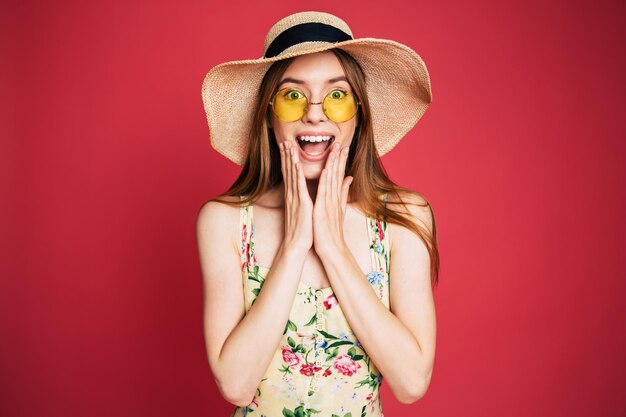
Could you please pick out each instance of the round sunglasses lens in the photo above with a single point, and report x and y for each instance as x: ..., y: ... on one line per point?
x: 289, y: 104
x: 340, y: 106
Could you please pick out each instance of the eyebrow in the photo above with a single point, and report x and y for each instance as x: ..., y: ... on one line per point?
x: 296, y: 81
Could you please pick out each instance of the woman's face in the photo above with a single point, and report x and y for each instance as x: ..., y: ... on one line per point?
x: 315, y: 75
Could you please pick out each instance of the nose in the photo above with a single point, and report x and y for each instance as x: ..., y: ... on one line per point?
x: 314, y: 113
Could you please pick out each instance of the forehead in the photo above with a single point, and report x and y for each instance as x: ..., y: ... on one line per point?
x: 314, y: 68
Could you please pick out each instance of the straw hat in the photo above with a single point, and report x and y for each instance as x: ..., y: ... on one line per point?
x: 398, y: 85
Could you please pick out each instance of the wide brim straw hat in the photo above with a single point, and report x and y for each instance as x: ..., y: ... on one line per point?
x: 397, y: 81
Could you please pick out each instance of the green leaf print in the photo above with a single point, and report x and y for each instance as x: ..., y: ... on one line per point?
x: 363, y: 411
x: 300, y: 411
x: 291, y: 342
x: 339, y: 343
x: 333, y: 354
x: 371, y: 380
x: 311, y: 322
x: 285, y: 369
x: 363, y: 382
x: 353, y: 355
x: 327, y: 335
x: 291, y: 326
x: 256, y: 291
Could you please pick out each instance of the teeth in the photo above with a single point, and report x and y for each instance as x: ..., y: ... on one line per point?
x: 315, y: 138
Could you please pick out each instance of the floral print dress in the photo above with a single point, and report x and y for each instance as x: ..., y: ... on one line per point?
x: 319, y: 369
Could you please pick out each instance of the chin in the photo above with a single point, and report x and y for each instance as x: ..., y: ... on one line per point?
x: 313, y: 172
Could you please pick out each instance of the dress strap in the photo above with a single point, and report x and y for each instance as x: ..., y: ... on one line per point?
x: 246, y: 226
x: 379, y: 242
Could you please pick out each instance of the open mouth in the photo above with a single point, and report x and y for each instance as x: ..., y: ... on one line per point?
x: 315, y: 145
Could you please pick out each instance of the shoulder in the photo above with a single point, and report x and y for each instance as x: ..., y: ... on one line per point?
x: 217, y: 218
x: 414, y: 205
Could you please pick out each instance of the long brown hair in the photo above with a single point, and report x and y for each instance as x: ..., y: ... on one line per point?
x: 261, y: 169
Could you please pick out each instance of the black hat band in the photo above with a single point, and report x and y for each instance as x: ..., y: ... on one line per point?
x: 305, y: 32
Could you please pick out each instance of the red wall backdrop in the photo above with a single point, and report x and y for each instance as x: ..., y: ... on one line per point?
x: 105, y: 160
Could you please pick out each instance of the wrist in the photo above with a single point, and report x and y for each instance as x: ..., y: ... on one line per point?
x: 292, y: 253
x: 332, y: 252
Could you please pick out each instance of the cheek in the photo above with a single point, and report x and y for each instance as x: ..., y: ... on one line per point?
x: 347, y: 133
x: 279, y: 129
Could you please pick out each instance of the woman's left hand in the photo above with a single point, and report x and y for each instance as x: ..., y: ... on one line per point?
x: 330, y: 204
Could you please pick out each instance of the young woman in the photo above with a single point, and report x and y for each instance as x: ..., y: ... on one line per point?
x: 318, y: 270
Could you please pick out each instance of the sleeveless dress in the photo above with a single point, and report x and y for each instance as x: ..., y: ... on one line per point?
x: 319, y: 368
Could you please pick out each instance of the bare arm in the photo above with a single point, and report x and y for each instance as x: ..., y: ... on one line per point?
x: 401, y: 342
x: 240, y: 346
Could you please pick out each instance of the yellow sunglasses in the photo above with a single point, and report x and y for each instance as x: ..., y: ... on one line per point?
x: 290, y: 104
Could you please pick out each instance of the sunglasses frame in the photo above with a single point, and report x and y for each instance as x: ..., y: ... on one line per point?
x: 308, y: 103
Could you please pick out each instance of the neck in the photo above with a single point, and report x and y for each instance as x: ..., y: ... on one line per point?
x: 279, y: 191
x: 311, y: 186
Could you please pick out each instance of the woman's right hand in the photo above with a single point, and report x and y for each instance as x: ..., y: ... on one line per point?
x: 298, y: 203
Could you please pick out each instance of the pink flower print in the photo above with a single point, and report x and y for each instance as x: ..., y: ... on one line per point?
x: 369, y: 396
x: 244, y: 233
x: 381, y: 232
x: 290, y: 357
x: 330, y: 302
x: 246, y: 250
x: 327, y: 372
x: 346, y: 365
x: 308, y: 369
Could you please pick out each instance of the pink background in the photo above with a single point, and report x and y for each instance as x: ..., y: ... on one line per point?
x: 107, y: 160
